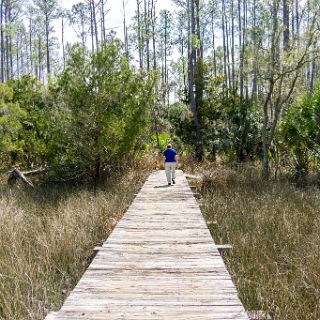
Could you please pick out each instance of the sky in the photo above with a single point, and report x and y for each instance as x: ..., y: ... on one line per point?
x: 114, y: 17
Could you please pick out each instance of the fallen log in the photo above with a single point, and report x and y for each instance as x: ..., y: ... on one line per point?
x: 55, y: 174
x: 15, y: 174
x: 36, y: 171
x: 61, y: 173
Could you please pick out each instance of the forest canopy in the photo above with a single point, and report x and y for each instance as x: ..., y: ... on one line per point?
x: 230, y: 79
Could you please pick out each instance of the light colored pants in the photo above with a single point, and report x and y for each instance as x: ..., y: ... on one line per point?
x: 170, y: 168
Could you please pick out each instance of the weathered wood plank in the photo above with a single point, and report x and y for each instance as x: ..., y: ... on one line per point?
x: 160, y: 262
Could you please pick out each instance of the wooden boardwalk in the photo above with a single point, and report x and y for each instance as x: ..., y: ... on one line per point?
x: 160, y: 262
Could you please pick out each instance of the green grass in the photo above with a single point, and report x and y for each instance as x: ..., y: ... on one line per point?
x: 275, y: 230
x: 47, y: 236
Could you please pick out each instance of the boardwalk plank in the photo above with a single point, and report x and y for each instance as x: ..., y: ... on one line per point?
x: 160, y: 262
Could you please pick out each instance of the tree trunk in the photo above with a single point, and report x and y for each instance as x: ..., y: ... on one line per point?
x: 47, y: 43
x: 297, y: 20
x: 224, y: 43
x: 264, y: 132
x: 2, y: 42
x: 7, y: 48
x: 63, y: 46
x: 232, y: 44
x: 213, y: 44
x: 153, y: 14
x: 103, y: 22
x: 95, y: 25
x: 240, y: 50
x: 165, y: 59
x: 125, y: 33
x: 30, y: 44
x: 246, y: 36
x: 228, y: 54
x: 140, y: 48
x: 154, y: 109
x: 146, y: 27
x: 255, y: 62
x: 83, y: 32
x: 10, y: 45
x: 272, y: 65
x: 7, y: 55
x: 40, y: 57
x: 17, y: 55
x: 192, y: 63
x: 285, y: 25
x: 198, y: 29
x: 11, y: 57
x: 185, y: 76
x: 97, y: 169
x: 91, y: 26
x: 244, y: 43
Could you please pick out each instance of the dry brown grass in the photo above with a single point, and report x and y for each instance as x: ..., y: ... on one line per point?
x: 275, y: 230
x: 47, y: 238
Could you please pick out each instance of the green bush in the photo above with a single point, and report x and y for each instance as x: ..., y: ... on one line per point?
x: 107, y: 104
x: 300, y: 132
x: 89, y: 117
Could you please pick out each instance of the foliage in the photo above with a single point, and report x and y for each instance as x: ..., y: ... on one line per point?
x: 235, y: 122
x: 228, y: 123
x: 90, y: 117
x: 10, y: 123
x: 35, y: 126
x: 300, y: 131
x: 180, y: 117
x: 107, y: 105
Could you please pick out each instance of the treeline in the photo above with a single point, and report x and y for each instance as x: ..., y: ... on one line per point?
x: 86, y: 119
x: 230, y: 77
x: 28, y: 43
x: 248, y: 72
x: 248, y: 66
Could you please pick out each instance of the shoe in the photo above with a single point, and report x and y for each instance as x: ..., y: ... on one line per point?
x: 169, y: 184
x: 173, y: 181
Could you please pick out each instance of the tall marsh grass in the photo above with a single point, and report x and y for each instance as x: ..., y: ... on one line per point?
x: 275, y: 231
x: 47, y: 238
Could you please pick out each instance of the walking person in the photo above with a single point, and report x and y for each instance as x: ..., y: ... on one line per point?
x: 170, y: 164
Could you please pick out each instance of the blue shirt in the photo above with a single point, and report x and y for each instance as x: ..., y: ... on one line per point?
x: 170, y: 155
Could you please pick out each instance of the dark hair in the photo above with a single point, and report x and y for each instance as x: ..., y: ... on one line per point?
x: 169, y: 146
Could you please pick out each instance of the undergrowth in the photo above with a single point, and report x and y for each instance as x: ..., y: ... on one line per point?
x: 47, y: 237
x: 274, y: 228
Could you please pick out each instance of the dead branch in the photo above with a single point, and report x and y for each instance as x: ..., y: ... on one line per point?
x: 36, y: 171
x: 15, y: 174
